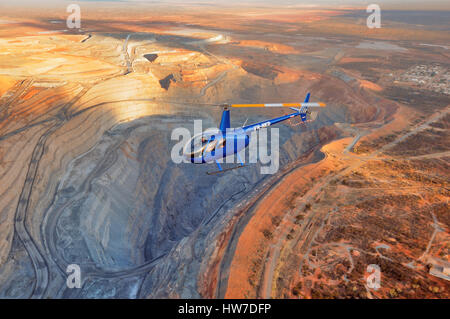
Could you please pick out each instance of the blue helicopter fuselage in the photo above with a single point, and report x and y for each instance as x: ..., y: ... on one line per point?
x: 220, y: 143
x: 217, y: 144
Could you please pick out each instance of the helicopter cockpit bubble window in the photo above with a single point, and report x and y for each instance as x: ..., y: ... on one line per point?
x: 221, y: 143
x: 197, y: 145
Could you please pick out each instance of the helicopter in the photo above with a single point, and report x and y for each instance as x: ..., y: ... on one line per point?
x: 216, y: 144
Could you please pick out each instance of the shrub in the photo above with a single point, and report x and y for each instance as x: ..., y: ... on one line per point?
x: 267, y: 233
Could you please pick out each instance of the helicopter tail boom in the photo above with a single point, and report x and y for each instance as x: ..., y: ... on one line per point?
x: 308, y: 104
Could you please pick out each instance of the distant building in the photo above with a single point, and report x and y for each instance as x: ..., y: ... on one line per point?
x: 440, y: 268
x: 430, y: 77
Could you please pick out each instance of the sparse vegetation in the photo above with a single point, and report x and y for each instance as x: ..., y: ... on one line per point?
x: 297, y: 289
x: 298, y: 219
x: 267, y: 233
x: 276, y: 220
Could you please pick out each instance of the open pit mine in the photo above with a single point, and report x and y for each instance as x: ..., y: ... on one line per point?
x: 86, y: 175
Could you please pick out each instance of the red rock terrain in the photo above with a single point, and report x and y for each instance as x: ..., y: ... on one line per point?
x: 86, y: 118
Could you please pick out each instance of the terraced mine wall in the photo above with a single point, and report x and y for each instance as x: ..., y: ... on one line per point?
x: 137, y: 224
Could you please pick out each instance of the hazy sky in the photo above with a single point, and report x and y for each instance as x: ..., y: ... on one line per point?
x: 386, y: 4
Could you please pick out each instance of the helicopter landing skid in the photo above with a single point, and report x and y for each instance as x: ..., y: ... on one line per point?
x: 225, y: 170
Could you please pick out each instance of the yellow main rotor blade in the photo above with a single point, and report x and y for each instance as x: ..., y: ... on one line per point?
x: 319, y: 104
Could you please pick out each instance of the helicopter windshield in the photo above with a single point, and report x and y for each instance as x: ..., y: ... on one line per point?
x: 201, y: 142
